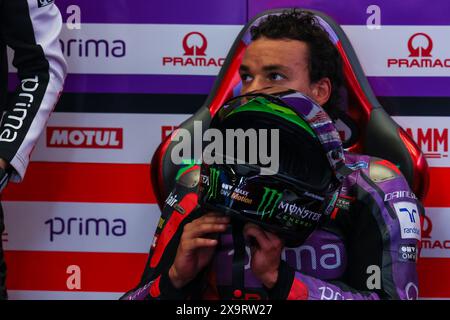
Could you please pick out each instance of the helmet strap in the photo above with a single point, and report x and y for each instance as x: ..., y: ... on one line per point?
x: 342, y: 171
x: 239, y: 256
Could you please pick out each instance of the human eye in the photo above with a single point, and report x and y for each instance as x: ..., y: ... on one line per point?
x: 276, y: 76
x: 245, y: 77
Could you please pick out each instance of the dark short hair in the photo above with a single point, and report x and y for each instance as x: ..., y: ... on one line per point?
x: 324, y: 58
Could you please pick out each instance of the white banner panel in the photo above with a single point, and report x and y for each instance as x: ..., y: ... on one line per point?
x: 147, y: 48
x: 128, y: 138
x: 103, y: 137
x: 418, y: 51
x: 413, y: 51
x: 436, y: 233
x: 81, y: 227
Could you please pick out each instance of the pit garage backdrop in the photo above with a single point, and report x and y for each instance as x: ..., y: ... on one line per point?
x: 81, y: 223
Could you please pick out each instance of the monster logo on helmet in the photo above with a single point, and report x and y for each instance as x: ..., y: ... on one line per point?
x: 294, y: 201
x: 213, y: 182
x: 269, y: 202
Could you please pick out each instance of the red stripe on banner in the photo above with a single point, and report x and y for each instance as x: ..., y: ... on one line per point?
x: 130, y: 183
x: 438, y: 195
x: 434, y: 277
x: 83, y: 182
x: 120, y: 272
x: 46, y: 270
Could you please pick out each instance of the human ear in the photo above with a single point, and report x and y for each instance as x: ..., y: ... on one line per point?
x: 321, y: 91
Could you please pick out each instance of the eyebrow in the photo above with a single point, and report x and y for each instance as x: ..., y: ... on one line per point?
x: 268, y: 68
x: 244, y: 68
x: 274, y: 67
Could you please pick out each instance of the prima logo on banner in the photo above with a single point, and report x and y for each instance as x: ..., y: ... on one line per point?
x: 420, y: 46
x: 77, y: 226
x: 73, y: 137
x: 93, y: 48
x: 194, y: 45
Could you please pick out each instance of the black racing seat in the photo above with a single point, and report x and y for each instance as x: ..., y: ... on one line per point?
x: 372, y: 130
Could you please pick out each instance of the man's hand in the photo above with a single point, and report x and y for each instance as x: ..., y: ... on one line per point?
x: 266, y: 250
x: 196, y: 248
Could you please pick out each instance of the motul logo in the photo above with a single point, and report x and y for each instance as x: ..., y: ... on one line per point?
x: 194, y: 46
x: 419, y: 46
x: 70, y: 137
x: 432, y: 141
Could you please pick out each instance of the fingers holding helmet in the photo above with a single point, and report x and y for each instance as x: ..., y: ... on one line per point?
x: 265, y: 248
x: 196, y: 248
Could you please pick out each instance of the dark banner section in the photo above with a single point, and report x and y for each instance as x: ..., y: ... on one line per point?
x: 356, y: 12
x: 130, y: 103
x: 168, y: 11
x: 190, y: 103
x: 416, y: 106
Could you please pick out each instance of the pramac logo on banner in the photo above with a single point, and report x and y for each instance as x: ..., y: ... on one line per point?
x: 79, y: 137
x: 193, y: 53
x: 420, y: 51
x: 430, y: 242
x: 420, y: 46
x: 195, y: 50
x: 433, y: 141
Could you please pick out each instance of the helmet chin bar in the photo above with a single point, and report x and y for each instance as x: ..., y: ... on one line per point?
x: 278, y: 206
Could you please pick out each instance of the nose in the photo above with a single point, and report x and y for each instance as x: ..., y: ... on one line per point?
x: 257, y: 84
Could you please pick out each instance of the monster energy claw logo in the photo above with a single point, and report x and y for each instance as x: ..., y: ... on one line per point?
x: 269, y: 202
x: 213, y: 183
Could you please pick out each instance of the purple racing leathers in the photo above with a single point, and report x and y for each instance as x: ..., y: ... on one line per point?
x: 367, y: 250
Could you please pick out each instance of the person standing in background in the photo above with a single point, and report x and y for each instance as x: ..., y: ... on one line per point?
x: 31, y: 29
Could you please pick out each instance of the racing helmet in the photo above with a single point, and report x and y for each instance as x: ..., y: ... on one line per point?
x: 300, y: 194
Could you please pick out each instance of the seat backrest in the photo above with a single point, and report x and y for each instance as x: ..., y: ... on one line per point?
x: 370, y: 130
